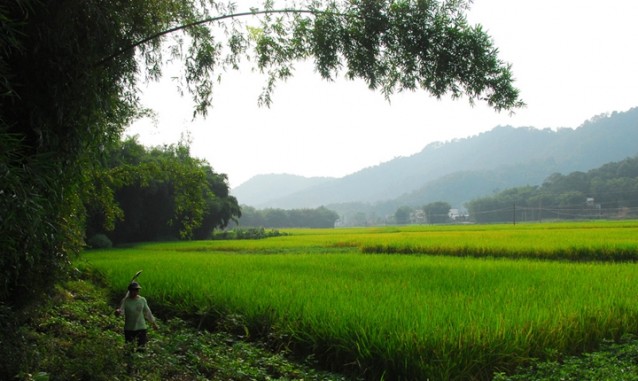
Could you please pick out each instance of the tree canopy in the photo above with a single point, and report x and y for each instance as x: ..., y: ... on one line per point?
x: 69, y: 72
x: 158, y: 194
x: 437, y: 212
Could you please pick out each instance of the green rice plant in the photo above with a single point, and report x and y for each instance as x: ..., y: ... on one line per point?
x: 596, y: 241
x: 584, y: 241
x: 400, y: 317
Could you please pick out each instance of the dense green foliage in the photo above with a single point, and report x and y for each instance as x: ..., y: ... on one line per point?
x: 610, y: 191
x: 69, y: 72
x: 404, y: 316
x: 147, y: 190
x: 57, y: 109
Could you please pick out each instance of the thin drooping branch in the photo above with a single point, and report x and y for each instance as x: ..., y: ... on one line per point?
x: 200, y: 22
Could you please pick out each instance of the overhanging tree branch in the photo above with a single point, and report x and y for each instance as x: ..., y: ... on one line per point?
x: 204, y: 21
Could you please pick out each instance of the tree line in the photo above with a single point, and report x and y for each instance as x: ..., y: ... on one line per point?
x: 610, y: 191
x: 280, y: 218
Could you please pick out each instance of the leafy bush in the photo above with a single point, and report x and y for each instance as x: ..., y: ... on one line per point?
x: 249, y: 233
x: 9, y: 341
x: 99, y: 241
x: 614, y: 361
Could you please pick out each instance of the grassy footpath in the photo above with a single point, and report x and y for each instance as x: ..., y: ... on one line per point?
x: 75, y: 336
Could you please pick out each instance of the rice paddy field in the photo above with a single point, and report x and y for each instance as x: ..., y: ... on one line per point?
x: 404, y: 303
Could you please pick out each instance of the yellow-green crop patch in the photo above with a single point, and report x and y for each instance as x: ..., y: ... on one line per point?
x: 401, y: 316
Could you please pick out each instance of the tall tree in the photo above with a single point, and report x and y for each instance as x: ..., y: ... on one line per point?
x: 437, y: 212
x: 69, y: 72
x: 402, y: 215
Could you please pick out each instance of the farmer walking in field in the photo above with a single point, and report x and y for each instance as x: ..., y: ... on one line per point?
x: 136, y: 312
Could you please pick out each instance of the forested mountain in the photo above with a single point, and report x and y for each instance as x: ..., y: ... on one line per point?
x: 609, y: 191
x: 460, y: 170
x: 260, y: 189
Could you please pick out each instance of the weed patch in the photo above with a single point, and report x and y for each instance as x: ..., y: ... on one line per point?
x: 614, y: 361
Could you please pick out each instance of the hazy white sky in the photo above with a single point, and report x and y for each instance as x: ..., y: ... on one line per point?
x: 572, y: 59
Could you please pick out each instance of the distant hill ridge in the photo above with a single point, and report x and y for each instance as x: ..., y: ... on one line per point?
x: 459, y: 170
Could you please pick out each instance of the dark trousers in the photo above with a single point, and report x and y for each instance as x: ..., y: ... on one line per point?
x: 132, y: 336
